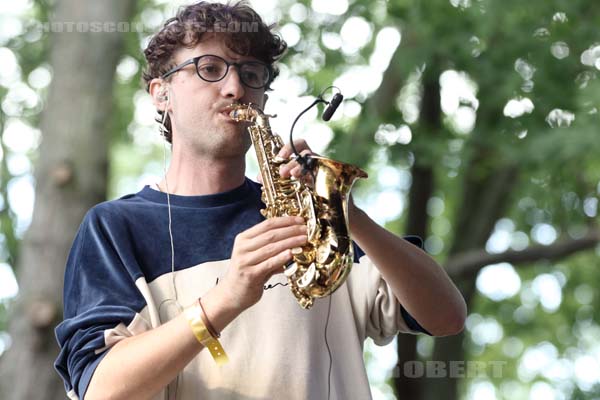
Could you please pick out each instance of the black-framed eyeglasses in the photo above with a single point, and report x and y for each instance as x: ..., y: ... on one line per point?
x: 211, y: 68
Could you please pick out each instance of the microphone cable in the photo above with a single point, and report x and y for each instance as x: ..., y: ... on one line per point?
x: 306, y: 161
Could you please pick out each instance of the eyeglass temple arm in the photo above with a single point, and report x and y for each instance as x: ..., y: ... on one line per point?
x: 178, y: 67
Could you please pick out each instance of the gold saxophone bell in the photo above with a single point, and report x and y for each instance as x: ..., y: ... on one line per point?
x: 320, y: 197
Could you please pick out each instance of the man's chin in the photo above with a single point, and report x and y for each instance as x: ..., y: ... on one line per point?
x: 234, y: 128
x: 237, y: 145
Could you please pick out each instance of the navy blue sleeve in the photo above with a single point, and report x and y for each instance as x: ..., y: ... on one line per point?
x: 99, y: 294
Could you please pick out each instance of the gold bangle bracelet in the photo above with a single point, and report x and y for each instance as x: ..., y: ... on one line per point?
x: 193, y: 314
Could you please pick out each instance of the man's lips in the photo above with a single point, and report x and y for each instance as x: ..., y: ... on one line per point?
x: 225, y: 111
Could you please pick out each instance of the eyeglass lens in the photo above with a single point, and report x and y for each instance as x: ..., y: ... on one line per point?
x: 252, y: 74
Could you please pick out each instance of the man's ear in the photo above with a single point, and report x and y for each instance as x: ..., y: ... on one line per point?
x: 265, y: 98
x: 159, y: 91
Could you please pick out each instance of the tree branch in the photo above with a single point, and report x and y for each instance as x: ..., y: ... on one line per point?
x: 471, y: 261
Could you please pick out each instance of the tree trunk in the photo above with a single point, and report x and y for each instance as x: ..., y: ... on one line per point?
x: 421, y: 190
x: 409, y: 387
x: 71, y: 176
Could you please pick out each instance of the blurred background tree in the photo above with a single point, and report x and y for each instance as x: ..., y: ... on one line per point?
x: 475, y: 119
x: 71, y: 169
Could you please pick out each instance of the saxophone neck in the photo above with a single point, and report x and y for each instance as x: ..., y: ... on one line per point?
x: 249, y: 113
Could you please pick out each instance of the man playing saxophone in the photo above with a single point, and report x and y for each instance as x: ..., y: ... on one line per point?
x: 178, y: 291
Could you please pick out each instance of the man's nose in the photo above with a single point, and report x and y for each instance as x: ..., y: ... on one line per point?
x: 232, y: 84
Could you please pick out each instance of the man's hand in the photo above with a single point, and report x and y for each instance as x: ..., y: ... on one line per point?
x: 293, y: 168
x: 259, y: 253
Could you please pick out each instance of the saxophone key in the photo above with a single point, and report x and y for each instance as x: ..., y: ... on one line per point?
x: 290, y: 269
x: 308, y: 277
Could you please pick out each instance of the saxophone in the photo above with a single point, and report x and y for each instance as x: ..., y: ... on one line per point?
x: 320, y: 196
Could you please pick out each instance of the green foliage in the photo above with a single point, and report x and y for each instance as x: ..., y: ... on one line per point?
x: 526, y: 324
x: 31, y: 50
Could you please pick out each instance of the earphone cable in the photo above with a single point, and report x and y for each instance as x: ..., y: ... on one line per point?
x: 164, y: 118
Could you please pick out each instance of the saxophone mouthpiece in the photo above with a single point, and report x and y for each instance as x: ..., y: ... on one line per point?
x: 242, y: 112
x: 235, y: 115
x: 239, y: 114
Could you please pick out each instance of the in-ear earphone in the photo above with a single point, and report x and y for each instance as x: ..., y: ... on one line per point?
x: 162, y: 119
x: 164, y: 94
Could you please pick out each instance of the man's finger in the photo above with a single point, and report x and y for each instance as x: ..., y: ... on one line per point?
x: 271, y: 223
x: 265, y: 253
x: 272, y: 236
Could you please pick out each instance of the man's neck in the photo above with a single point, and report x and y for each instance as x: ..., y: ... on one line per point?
x: 192, y: 176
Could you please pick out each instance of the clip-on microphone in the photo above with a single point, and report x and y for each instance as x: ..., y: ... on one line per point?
x: 333, y: 105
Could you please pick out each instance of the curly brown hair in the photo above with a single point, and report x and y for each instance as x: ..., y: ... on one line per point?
x: 242, y: 29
